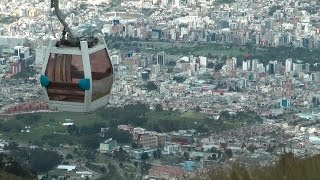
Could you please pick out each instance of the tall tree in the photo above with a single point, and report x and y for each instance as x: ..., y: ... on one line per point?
x: 145, y: 156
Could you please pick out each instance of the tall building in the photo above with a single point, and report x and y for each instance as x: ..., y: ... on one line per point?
x: 268, y: 24
x: 271, y: 68
x: 249, y: 64
x: 244, y: 65
x: 149, y: 59
x: 307, y: 68
x: 164, y: 2
x: 161, y: 58
x: 115, y: 59
x: 229, y: 65
x: 254, y: 64
x: 277, y: 67
x: 297, y: 67
x: 260, y: 68
x: 203, y: 61
x: 155, y: 69
x: 288, y: 65
x: 176, y: 3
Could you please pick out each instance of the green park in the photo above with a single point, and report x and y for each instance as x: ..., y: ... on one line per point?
x: 47, y: 127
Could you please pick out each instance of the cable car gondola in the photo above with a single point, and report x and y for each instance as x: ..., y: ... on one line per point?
x: 77, y: 74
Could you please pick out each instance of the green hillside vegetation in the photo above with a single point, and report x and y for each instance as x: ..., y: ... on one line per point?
x: 282, y: 53
x: 8, y: 19
x: 287, y: 168
x: 47, y: 128
x: 8, y: 176
x: 12, y: 169
x: 225, y: 1
x: 183, y: 48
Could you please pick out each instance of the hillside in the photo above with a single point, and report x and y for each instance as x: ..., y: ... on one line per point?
x: 11, y: 169
x: 288, y: 167
x: 8, y: 176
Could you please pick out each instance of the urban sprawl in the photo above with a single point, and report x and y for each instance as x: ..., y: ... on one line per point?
x: 283, y: 92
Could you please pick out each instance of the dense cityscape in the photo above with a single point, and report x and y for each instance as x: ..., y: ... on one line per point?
x: 198, y: 85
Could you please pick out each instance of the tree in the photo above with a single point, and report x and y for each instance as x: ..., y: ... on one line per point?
x: 218, y: 66
x: 273, y: 9
x: 91, y: 129
x: 157, y: 154
x: 72, y: 129
x: 145, y: 167
x: 210, y: 65
x: 43, y: 161
x: 170, y: 70
x: 11, y: 146
x: 69, y: 156
x: 270, y: 149
x: 151, y: 86
x: 144, y: 156
x: 121, y: 154
x: 197, y: 109
x: 186, y: 155
x: 172, y: 63
x: 224, y: 115
x: 214, y: 156
x: 103, y: 169
x: 251, y: 148
x: 11, y: 166
x: 179, y: 79
x: 90, y: 155
x: 214, y: 150
x: 121, y: 165
x: 119, y: 135
x: 159, y: 107
x: 225, y: 1
x: 134, y: 145
x: 91, y: 141
x: 12, y: 126
x: 249, y: 45
x: 138, y: 50
x: 229, y: 153
x: 198, y: 158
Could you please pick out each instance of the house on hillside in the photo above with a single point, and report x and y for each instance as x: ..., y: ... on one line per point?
x: 108, y: 146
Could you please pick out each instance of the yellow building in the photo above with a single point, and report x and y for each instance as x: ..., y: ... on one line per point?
x: 16, y: 12
x: 32, y: 12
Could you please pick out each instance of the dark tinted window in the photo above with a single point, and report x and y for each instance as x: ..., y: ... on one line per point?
x: 101, y: 70
x: 65, y: 71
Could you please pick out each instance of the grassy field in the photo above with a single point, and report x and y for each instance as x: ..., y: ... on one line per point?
x: 193, y: 115
x: 192, y: 48
x: 51, y: 123
x: 48, y: 128
x: 218, y: 52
